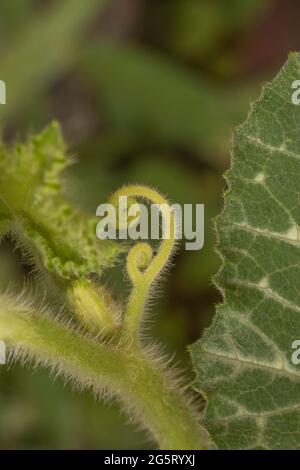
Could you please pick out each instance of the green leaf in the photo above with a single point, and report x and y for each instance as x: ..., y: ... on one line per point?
x: 50, y: 230
x: 244, y: 361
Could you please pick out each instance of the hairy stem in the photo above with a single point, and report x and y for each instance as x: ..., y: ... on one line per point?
x: 130, y: 375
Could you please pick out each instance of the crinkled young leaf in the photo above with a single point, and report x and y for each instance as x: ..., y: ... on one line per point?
x: 54, y: 233
x: 244, y: 361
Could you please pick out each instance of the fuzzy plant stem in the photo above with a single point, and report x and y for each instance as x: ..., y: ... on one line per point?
x: 106, y: 353
x: 131, y: 375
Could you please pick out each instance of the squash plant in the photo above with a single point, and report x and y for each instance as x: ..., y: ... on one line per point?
x: 243, y: 363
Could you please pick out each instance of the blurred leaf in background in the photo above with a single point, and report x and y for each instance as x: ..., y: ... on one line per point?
x: 44, y: 46
x: 198, y: 30
x: 161, y: 101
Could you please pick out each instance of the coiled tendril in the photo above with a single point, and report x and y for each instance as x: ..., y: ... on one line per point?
x: 143, y: 266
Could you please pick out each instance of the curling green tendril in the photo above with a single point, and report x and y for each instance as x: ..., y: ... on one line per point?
x: 143, y: 266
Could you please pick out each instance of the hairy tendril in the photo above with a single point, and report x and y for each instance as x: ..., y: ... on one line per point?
x: 143, y: 266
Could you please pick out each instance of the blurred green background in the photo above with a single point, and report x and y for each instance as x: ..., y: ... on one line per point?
x: 146, y: 91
